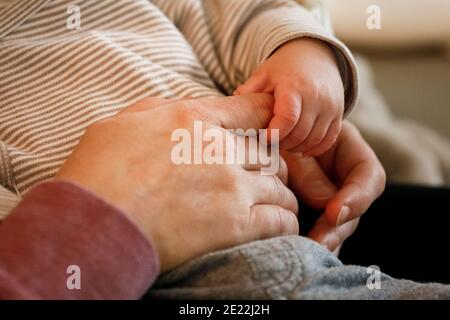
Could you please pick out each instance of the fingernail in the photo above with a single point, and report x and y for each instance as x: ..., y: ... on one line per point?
x: 343, y: 216
x: 321, y: 191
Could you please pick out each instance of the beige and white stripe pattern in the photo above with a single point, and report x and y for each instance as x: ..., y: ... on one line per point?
x: 54, y: 82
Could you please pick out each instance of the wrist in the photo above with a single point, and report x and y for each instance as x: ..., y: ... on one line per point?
x: 115, y: 201
x: 313, y: 45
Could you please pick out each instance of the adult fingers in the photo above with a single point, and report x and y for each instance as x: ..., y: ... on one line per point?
x: 252, y: 111
x: 308, y: 180
x: 337, y: 250
x: 267, y: 221
x: 359, y: 190
x: 281, y: 170
x: 257, y: 156
x: 332, y: 236
x: 271, y: 190
x: 361, y: 175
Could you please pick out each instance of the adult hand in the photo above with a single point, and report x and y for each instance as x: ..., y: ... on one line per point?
x: 186, y: 210
x: 344, y: 182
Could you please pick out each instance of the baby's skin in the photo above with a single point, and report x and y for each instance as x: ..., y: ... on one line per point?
x: 303, y: 75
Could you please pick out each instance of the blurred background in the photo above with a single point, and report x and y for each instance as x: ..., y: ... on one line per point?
x: 404, y: 110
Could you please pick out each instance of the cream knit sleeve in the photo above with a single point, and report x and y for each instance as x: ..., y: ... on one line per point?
x: 232, y: 37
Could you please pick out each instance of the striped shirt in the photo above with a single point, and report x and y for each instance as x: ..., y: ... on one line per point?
x: 66, y: 64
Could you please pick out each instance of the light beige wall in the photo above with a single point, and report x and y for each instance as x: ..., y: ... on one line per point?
x: 404, y: 22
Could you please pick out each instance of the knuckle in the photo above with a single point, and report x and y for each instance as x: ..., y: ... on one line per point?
x: 297, y: 136
x: 290, y: 117
x: 278, y: 189
x: 330, y: 139
x: 281, y: 221
x: 338, y: 126
x: 328, y: 97
x: 330, y: 101
x: 262, y: 101
x: 260, y: 73
x: 362, y: 200
x: 335, y: 108
x: 252, y: 225
x: 287, y: 222
x: 270, y: 220
x: 335, y: 102
x: 312, y: 92
x: 315, y: 139
x: 283, y: 170
x: 185, y: 114
x: 294, y: 202
x: 327, y: 144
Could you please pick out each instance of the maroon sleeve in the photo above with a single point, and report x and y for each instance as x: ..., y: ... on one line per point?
x: 59, y: 225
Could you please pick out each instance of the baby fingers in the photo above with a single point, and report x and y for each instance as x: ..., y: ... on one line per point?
x: 329, y: 140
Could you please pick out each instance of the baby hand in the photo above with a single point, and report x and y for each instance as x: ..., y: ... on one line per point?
x: 304, y: 78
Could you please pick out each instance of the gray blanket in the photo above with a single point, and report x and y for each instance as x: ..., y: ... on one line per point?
x: 291, y: 267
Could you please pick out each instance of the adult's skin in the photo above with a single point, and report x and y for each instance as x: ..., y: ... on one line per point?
x: 343, y: 182
x: 349, y: 174
x: 185, y: 210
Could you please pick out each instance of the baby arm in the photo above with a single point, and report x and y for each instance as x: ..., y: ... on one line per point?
x: 269, y: 45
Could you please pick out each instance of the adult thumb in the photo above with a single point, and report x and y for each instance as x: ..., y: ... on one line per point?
x: 252, y: 111
x: 146, y: 104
